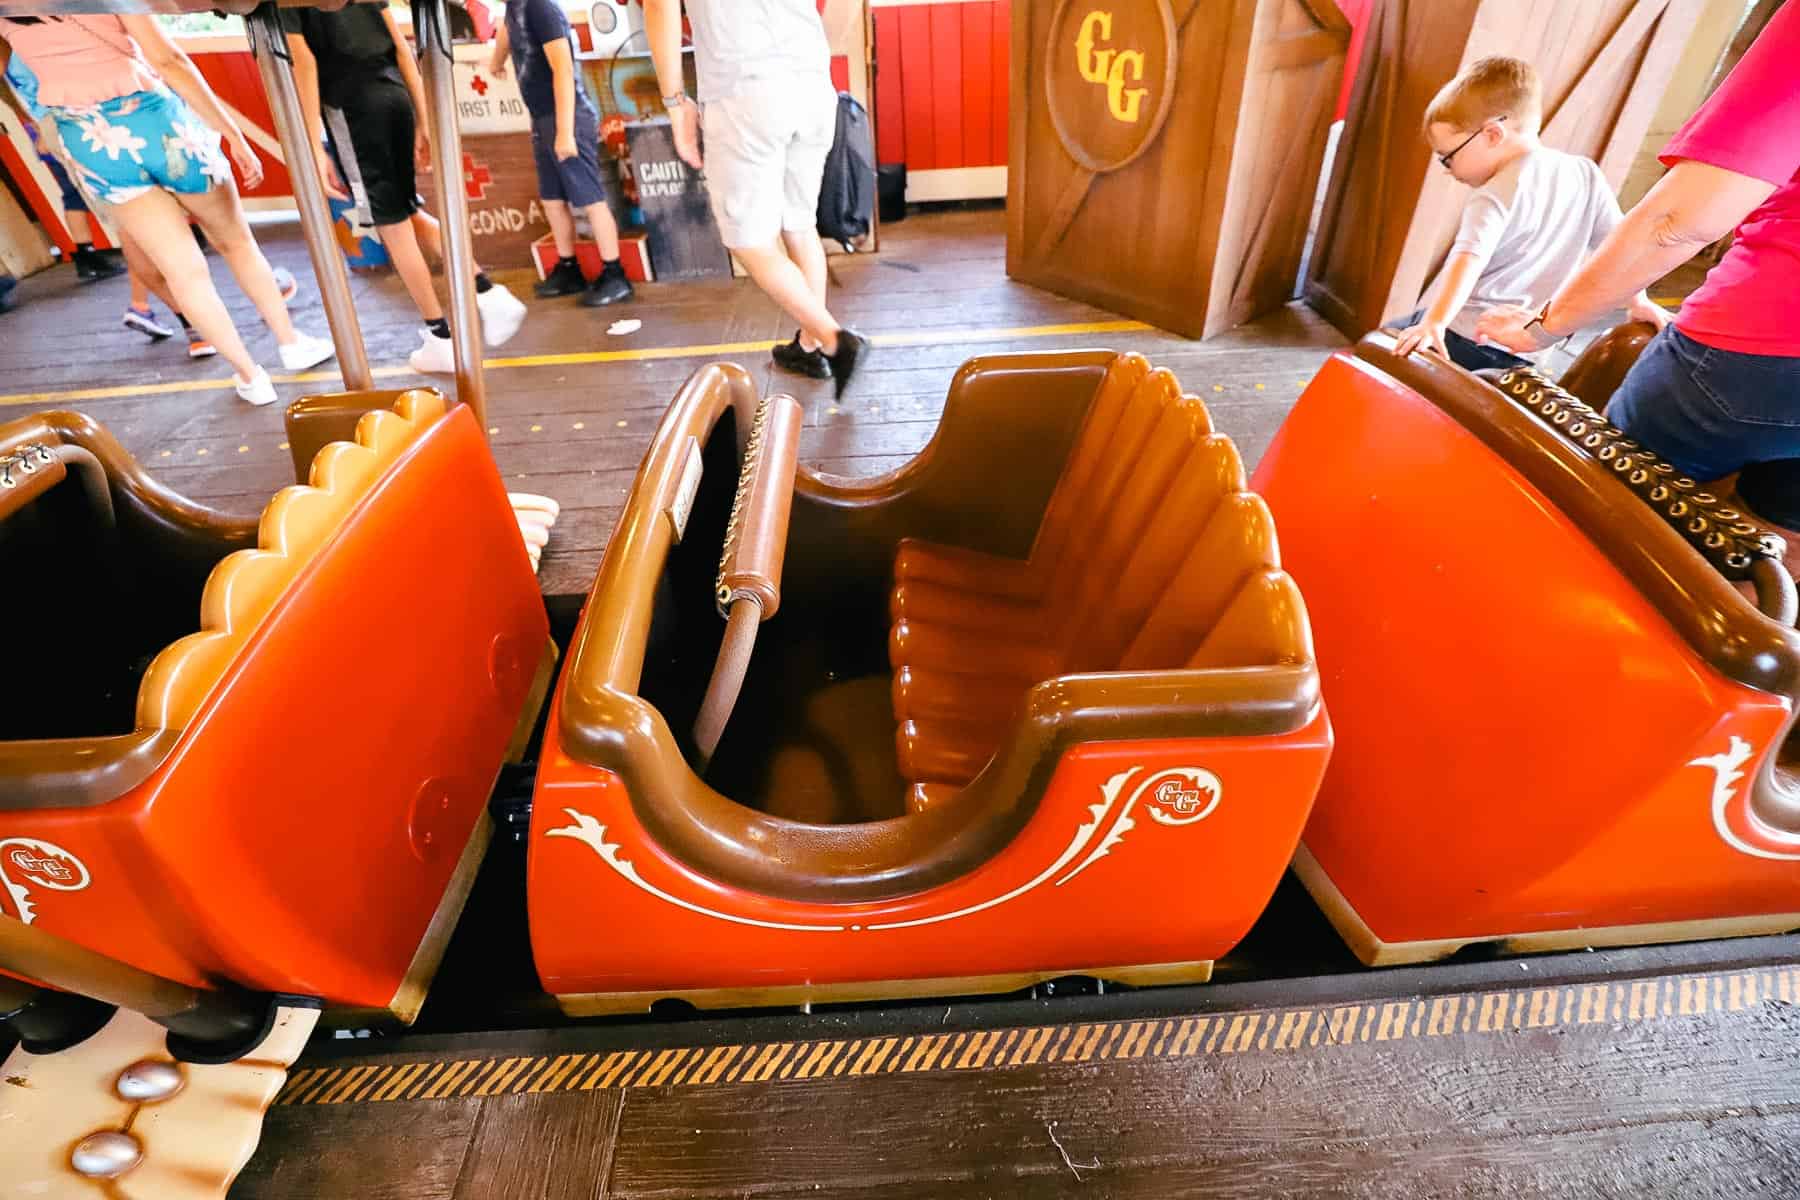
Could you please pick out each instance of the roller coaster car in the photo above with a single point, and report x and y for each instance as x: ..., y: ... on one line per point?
x: 1563, y: 717
x: 1040, y: 702
x: 293, y: 798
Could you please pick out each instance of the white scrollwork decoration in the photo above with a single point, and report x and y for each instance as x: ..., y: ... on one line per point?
x: 1728, y: 772
x: 590, y: 832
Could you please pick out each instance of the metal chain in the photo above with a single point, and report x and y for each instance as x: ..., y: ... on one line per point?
x: 1731, y: 540
x: 734, y: 527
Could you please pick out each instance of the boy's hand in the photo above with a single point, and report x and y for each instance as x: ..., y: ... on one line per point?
x: 1423, y: 336
x: 1645, y: 309
x: 684, y: 123
x: 565, y: 145
x: 328, y: 175
x: 1504, y: 325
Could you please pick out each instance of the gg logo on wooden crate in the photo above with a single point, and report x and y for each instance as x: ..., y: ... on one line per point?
x: 1111, y: 78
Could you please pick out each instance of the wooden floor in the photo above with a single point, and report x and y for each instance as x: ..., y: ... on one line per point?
x: 935, y: 296
x: 1637, y: 1085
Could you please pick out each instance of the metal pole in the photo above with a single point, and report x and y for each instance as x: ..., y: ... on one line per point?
x: 269, y: 44
x: 431, y: 26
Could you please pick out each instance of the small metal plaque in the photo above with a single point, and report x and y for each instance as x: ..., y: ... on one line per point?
x: 683, y: 505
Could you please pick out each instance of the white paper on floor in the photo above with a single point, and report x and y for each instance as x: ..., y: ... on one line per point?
x: 623, y: 327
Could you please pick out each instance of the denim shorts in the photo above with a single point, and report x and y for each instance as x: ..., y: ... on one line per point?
x: 577, y: 181
x: 1710, y: 412
x: 131, y: 144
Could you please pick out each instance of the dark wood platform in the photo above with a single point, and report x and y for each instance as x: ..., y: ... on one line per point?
x: 571, y: 409
x: 1632, y: 1085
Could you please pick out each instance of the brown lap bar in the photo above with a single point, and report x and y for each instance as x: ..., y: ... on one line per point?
x: 748, y: 590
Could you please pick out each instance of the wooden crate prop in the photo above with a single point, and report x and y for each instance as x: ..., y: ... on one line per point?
x: 1391, y: 212
x: 1165, y: 152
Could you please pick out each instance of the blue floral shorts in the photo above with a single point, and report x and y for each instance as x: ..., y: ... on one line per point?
x: 127, y: 146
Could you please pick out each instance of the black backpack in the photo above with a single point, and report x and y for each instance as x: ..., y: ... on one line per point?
x: 847, y: 194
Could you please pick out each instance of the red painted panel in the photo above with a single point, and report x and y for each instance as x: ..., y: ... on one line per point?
x: 1358, y: 12
x: 233, y: 77
x: 890, y: 102
x: 915, y: 48
x: 977, y: 83
x: 1002, y: 52
x: 946, y: 83
x: 840, y: 72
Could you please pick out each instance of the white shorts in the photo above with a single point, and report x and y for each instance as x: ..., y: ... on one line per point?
x: 765, y: 154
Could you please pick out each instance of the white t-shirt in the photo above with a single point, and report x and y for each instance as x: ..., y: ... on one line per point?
x: 737, y: 41
x: 1534, y: 222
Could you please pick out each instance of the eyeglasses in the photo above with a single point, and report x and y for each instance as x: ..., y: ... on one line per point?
x: 1446, y: 158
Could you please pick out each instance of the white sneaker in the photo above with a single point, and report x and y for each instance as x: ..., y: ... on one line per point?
x: 435, y: 355
x: 259, y: 391
x: 306, y: 351
x: 501, y: 315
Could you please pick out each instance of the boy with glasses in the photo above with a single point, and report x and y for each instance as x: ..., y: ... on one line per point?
x: 1535, y: 215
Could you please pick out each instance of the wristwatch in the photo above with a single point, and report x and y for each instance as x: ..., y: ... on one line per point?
x: 1535, y: 327
x: 678, y: 98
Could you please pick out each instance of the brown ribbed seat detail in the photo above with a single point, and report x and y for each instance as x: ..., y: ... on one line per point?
x: 1151, y: 556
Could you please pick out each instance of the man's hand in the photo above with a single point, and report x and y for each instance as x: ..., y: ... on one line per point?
x: 249, y: 166
x: 565, y: 145
x: 684, y: 122
x: 328, y: 175
x: 1642, y: 308
x: 1423, y: 336
x: 1504, y: 325
x: 497, y: 66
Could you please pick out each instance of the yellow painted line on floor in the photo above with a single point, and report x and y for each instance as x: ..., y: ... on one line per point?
x: 935, y: 337
x: 1612, y: 1007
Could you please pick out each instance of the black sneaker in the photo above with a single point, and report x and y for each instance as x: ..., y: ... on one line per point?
x: 609, y: 287
x: 852, y: 346
x: 792, y: 356
x: 91, y: 265
x: 564, y: 280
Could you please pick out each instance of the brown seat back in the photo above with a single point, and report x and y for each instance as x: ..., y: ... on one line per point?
x: 1235, y: 541
x: 1602, y: 367
x: 1067, y: 518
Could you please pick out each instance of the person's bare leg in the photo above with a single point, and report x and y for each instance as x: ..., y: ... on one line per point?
x: 158, y: 224
x: 430, y: 237
x: 562, y: 227
x: 606, y: 230
x: 146, y: 279
x: 808, y: 253
x: 401, y: 241
x: 222, y: 219
x: 786, y: 284
x: 80, y: 228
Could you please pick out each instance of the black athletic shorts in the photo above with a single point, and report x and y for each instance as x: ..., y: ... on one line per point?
x: 381, y: 126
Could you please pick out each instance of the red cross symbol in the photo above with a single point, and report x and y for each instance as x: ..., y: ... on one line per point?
x: 476, y: 178
x: 480, y: 85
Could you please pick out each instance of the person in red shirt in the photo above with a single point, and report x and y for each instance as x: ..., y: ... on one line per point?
x: 1718, y: 390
